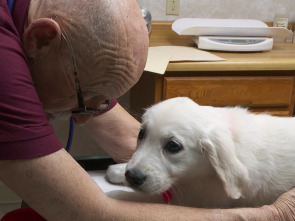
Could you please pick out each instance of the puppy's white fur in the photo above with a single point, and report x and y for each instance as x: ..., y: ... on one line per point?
x: 230, y: 157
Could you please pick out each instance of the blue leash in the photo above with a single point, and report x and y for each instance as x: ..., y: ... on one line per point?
x: 10, y: 4
x: 71, y: 134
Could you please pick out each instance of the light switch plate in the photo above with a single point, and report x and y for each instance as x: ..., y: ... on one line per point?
x: 173, y: 7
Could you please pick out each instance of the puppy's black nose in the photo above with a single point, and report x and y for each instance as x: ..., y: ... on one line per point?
x: 135, y: 177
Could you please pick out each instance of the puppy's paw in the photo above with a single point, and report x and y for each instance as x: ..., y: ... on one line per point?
x: 134, y: 196
x: 116, y: 173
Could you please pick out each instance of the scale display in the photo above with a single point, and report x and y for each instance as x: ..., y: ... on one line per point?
x: 238, y: 41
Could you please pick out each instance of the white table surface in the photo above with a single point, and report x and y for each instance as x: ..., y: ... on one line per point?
x: 99, y: 178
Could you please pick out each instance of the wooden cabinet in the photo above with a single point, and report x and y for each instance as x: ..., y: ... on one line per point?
x: 272, y: 94
x: 262, y: 82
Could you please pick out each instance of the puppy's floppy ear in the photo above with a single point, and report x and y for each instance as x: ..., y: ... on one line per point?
x: 220, y: 150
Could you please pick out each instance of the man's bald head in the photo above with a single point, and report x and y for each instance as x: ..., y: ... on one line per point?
x: 109, y: 40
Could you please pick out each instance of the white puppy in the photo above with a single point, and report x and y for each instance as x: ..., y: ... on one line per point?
x: 211, y: 157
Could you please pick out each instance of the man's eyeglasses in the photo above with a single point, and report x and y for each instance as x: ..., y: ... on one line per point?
x: 81, y: 105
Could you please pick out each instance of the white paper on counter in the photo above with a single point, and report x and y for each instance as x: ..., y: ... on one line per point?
x: 183, y: 53
x: 226, y: 27
x: 157, y: 60
x: 99, y: 178
x: 159, y: 57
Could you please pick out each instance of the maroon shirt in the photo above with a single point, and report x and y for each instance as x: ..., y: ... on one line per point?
x: 24, y: 129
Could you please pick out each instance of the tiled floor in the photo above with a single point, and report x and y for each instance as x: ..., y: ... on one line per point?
x: 8, y: 200
x: 5, y: 208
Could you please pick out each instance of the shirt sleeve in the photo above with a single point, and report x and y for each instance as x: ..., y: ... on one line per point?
x: 24, y: 129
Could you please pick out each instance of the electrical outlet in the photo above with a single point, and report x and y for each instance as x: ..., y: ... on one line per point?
x: 172, y: 7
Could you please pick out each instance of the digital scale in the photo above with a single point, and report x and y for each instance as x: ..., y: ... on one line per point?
x: 240, y: 35
x: 217, y: 43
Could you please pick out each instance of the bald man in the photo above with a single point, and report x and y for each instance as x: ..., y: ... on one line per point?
x: 75, y: 57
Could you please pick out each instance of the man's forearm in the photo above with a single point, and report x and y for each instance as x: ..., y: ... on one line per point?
x: 137, y: 211
x: 115, y: 132
x: 55, y: 186
x: 59, y: 189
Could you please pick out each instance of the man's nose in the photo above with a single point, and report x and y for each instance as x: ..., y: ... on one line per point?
x: 81, y: 119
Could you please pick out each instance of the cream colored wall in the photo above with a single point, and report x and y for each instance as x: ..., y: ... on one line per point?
x: 263, y: 10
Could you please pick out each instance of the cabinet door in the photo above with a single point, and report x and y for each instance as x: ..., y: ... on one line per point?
x: 272, y: 94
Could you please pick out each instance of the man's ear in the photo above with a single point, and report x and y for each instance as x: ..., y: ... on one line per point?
x: 40, y: 36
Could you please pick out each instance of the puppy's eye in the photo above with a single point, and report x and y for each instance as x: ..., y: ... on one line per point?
x: 173, y: 146
x: 141, y: 134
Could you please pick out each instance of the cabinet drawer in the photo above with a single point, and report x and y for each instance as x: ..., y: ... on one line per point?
x: 230, y: 91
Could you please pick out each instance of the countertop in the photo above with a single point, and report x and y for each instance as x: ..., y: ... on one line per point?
x: 281, y: 57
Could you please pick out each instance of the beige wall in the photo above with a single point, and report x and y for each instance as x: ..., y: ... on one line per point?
x: 263, y: 10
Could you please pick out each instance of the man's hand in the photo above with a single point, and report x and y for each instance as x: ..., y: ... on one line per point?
x: 285, y: 206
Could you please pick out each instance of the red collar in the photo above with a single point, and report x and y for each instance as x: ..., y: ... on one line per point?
x: 167, y: 196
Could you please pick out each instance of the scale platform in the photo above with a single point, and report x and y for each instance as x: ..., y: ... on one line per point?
x: 237, y: 44
x: 229, y: 34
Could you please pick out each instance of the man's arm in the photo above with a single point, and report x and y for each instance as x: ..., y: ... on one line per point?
x: 59, y: 189
x: 115, y: 132
x: 55, y: 186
